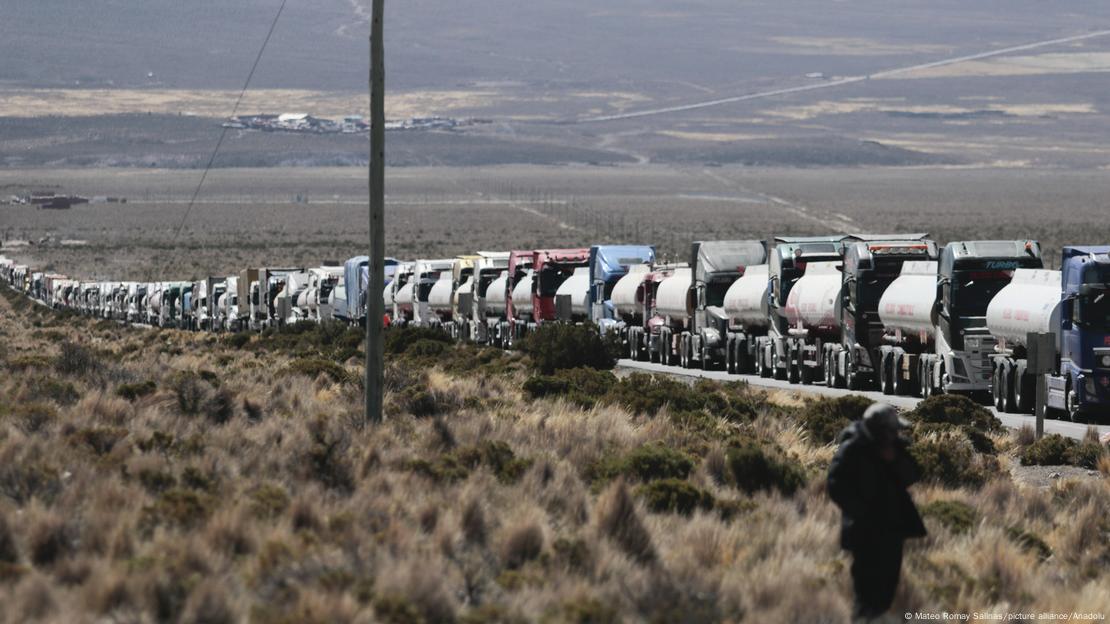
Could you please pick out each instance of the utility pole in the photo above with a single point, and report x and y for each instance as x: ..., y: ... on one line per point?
x: 375, y: 306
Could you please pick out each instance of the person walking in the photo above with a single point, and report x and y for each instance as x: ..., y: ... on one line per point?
x: 868, y: 480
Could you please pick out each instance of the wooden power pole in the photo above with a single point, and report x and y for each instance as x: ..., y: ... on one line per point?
x: 375, y: 306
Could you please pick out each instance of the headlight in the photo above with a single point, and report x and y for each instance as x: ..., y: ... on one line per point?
x: 1104, y: 361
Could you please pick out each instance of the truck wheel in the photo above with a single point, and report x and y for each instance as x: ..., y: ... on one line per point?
x: 805, y: 374
x: 793, y: 366
x: 761, y: 367
x: 706, y: 361
x: 730, y: 356
x: 1023, y: 391
x: 885, y: 376
x: 1008, y: 392
x: 829, y: 371
x: 924, y: 378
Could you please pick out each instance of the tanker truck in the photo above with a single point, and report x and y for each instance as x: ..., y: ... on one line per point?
x: 490, y: 310
x: 787, y: 264
x: 518, y: 298
x: 1073, y: 304
x: 608, y: 265
x: 936, y: 339
x: 715, y: 266
x: 470, y: 305
x: 401, y: 290
x: 572, y: 297
x: 672, y: 312
x: 425, y: 275
x: 869, y: 267
x: 552, y: 267
x: 1030, y: 303
x: 745, y: 306
x: 634, y: 300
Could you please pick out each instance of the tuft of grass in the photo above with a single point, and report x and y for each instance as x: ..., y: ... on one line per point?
x: 132, y: 391
x: 949, y: 459
x: 954, y: 409
x: 313, y: 367
x: 75, y: 359
x: 619, y: 520
x: 522, y: 544
x: 644, y: 463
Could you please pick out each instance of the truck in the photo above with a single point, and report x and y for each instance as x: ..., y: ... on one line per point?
x: 608, y: 265
x: 400, y: 297
x: 715, y: 265
x: 550, y: 268
x: 426, y: 273
x: 518, y: 298
x: 635, y: 302
x: 246, y: 289
x: 850, y: 352
x: 1072, y: 304
x: 934, y: 328
x: 777, y: 352
x: 1030, y: 303
x: 271, y: 308
x: 488, y: 269
x: 745, y: 307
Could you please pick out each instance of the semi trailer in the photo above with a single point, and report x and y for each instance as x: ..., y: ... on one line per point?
x: 715, y: 266
x: 552, y: 267
x: 934, y: 328
x: 870, y: 266
x: 518, y: 298
x: 1030, y: 303
x: 745, y: 306
x: 486, y: 288
x: 425, y: 275
x: 777, y: 351
x: 1072, y: 304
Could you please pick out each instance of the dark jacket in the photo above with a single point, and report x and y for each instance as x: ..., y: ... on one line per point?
x: 871, y: 492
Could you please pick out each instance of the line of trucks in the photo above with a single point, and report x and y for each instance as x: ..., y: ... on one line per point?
x: 895, y: 313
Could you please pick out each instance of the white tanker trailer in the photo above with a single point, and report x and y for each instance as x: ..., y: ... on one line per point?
x: 491, y: 309
x: 626, y: 306
x: 745, y: 306
x: 571, y: 298
x: 674, y: 305
x: 812, y: 319
x: 936, y: 332
x: 440, y: 301
x: 1029, y: 304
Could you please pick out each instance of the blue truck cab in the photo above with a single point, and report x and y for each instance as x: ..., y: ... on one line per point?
x: 1081, y: 386
x: 607, y: 264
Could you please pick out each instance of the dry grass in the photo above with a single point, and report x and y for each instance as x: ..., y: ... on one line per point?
x: 139, y: 510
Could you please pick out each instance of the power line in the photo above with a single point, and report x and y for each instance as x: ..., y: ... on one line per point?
x: 224, y: 129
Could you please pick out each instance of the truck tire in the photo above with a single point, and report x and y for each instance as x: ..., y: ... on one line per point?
x: 1023, y: 393
x: 886, y: 377
x: 1007, y: 384
x: 1071, y: 407
x: 761, y: 366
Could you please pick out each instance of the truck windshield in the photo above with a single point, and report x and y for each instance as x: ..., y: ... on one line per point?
x: 972, y: 291
x: 715, y: 295
x: 551, y: 277
x: 1096, y: 310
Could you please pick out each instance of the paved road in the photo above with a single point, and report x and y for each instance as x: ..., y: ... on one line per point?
x: 886, y: 73
x: 1013, y: 421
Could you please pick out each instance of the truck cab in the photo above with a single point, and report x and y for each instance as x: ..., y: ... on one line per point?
x: 608, y: 264
x: 518, y: 298
x: 1081, y: 385
x: 552, y: 267
x: 861, y: 358
x: 969, y: 275
x: 787, y: 264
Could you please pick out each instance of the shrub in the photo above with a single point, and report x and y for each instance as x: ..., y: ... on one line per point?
x: 454, y: 465
x: 398, y: 340
x: 238, y: 340
x: 585, y: 610
x: 583, y: 386
x: 825, y: 418
x: 269, y: 500
x: 647, y: 394
x: 958, y: 516
x: 313, y: 367
x: 57, y: 390
x: 132, y: 391
x: 674, y: 496
x: 75, y: 359
x: 33, y: 417
x: 523, y: 544
x: 1056, y: 450
x: 9, y: 553
x: 1029, y: 542
x: 425, y: 348
x: 755, y: 467
x: 645, y: 463
x: 556, y: 346
x: 190, y: 390
x: 954, y: 409
x: 100, y: 440
x: 326, y: 458
x: 181, y: 507
x: 948, y: 458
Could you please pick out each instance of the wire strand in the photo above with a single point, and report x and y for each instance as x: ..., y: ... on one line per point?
x: 223, y: 131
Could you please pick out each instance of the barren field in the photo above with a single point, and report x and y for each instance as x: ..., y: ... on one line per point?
x: 248, y: 217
